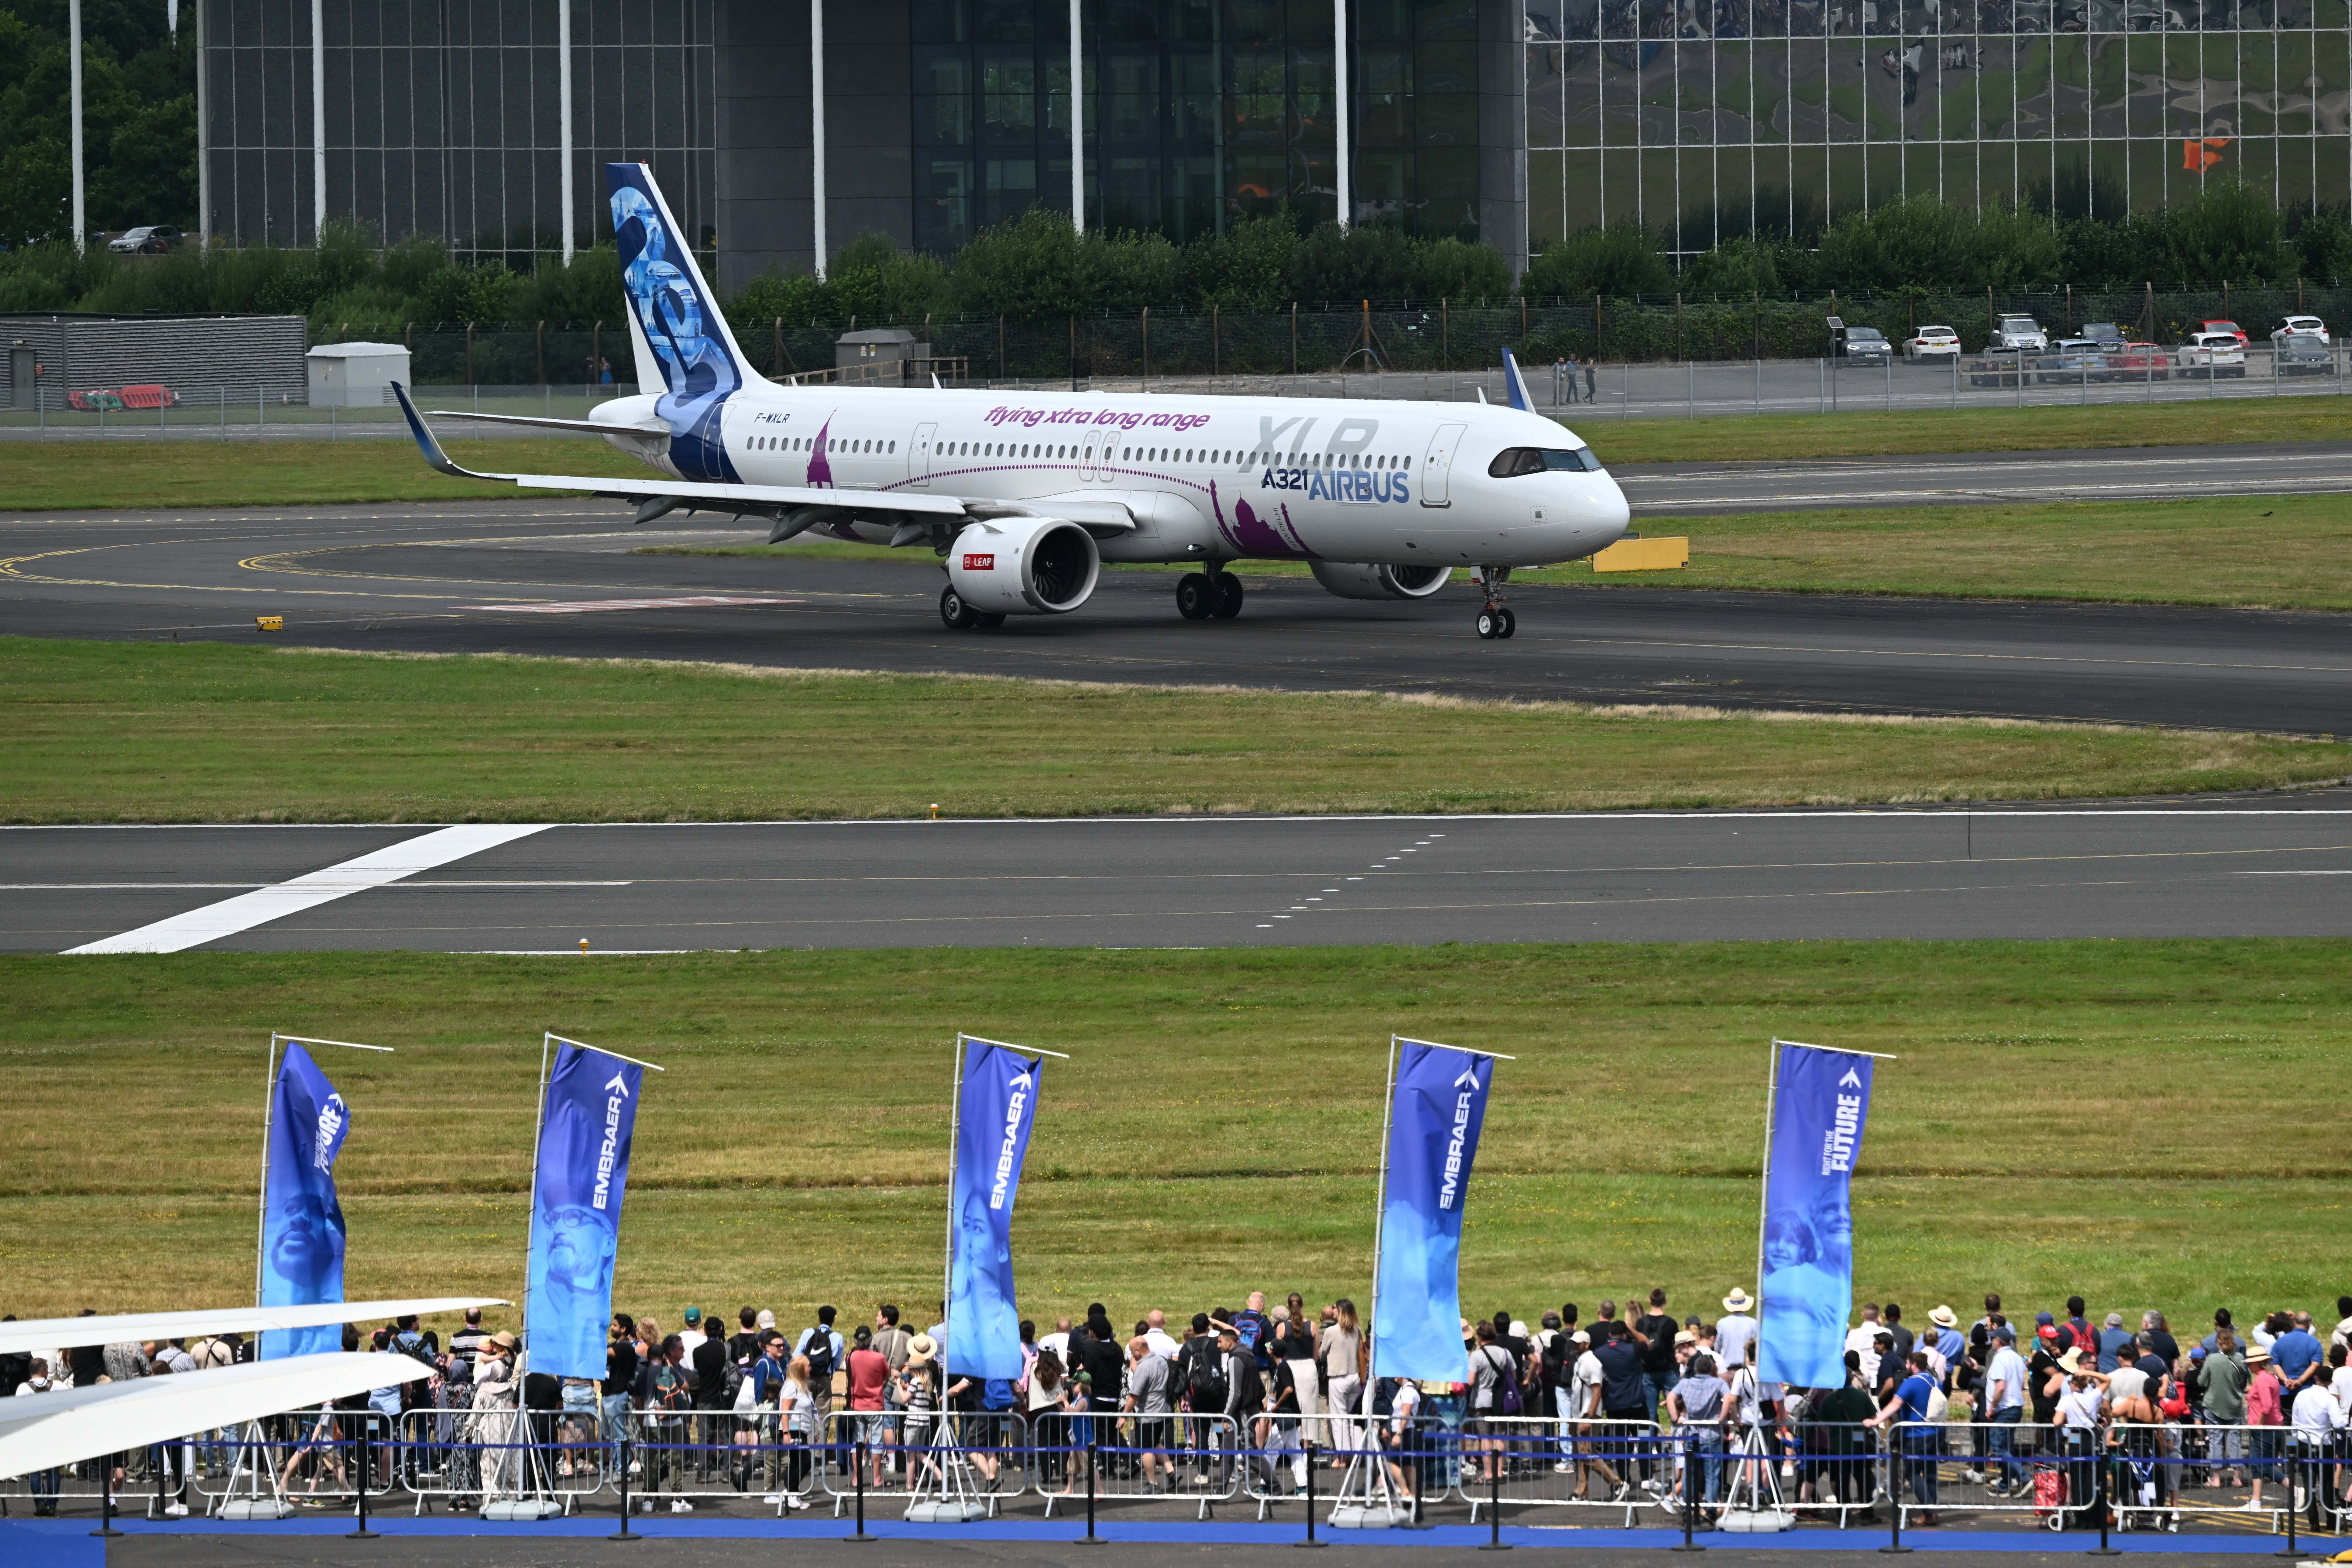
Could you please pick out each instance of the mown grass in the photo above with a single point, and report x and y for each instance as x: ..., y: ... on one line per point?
x: 2280, y: 551
x: 207, y: 732
x: 138, y: 472
x: 2100, y: 1117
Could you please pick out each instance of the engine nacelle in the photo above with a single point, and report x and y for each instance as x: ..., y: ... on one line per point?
x: 1025, y: 567
x: 1354, y: 582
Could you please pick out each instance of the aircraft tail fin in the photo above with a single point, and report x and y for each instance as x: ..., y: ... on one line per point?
x: 1516, y: 384
x: 672, y: 306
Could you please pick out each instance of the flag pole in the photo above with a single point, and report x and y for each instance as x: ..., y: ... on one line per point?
x: 531, y: 1222
x: 1380, y: 1201
x: 955, y: 1132
x: 1764, y: 1194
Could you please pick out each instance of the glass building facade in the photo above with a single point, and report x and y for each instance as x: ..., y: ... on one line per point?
x: 1198, y: 112
x: 442, y: 116
x: 1713, y: 119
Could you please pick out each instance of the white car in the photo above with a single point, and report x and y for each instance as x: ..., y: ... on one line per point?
x: 2022, y: 333
x: 1932, y: 343
x: 2302, y: 327
x: 2219, y: 351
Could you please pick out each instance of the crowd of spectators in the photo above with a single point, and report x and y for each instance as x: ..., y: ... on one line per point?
x: 1637, y: 1403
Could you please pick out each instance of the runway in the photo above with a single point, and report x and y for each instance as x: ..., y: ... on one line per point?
x: 2280, y: 866
x: 2168, y: 473
x: 558, y: 577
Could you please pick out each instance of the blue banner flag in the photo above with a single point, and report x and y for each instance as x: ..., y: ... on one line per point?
x: 1439, y: 1107
x: 1819, y: 1101
x: 301, y: 1218
x: 998, y: 1108
x: 585, y: 1126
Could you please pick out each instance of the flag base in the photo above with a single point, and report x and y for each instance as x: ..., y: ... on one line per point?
x: 947, y: 1511
x: 1756, y: 1522
x: 243, y: 1509
x: 1369, y: 1516
x: 521, y: 1508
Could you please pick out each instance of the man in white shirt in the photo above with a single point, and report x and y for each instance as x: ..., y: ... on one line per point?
x: 1583, y: 1395
x: 2316, y: 1418
x: 1735, y: 1329
x: 1863, y: 1341
x: 1155, y: 1334
x: 2004, y: 1385
x: 1058, y: 1341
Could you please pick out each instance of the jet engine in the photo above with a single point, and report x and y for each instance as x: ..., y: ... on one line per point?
x: 1354, y: 582
x: 1023, y: 566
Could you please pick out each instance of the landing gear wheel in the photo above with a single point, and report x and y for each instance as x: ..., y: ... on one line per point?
x: 1490, y: 623
x: 1229, y: 595
x: 1196, y: 597
x: 959, y: 616
x: 989, y: 621
x: 1510, y: 624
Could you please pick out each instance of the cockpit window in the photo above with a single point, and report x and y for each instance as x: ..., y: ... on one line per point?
x: 1513, y: 462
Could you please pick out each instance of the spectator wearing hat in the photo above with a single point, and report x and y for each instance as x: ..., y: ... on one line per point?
x: 1735, y: 1328
x: 917, y: 1384
x: 2266, y: 1414
x: 1950, y: 1346
x: 2082, y: 1405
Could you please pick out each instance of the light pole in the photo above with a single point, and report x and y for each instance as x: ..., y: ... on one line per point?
x: 73, y: 26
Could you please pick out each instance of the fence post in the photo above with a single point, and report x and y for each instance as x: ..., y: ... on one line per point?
x: 1216, y: 345
x: 859, y: 1459
x: 1690, y: 390
x: 1690, y: 1502
x: 1495, y: 1500
x: 543, y: 353
x: 1310, y: 1540
x: 624, y: 1532
x: 1444, y: 335
x: 469, y: 353
x: 2099, y: 1498
x: 1294, y: 337
x: 999, y: 346
x: 1074, y: 351
x: 2291, y: 1551
x: 260, y: 406
x: 1146, y: 348
x: 367, y: 1459
x: 222, y: 392
x: 1091, y: 1539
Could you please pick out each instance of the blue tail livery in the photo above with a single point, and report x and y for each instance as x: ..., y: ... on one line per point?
x: 1516, y: 384
x: 700, y: 366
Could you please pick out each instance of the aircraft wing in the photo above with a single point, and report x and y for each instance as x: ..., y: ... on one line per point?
x: 76, y: 1424
x: 657, y: 427
x: 767, y: 500
x: 41, y: 1336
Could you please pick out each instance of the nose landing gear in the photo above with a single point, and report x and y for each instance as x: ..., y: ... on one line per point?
x: 1495, y: 620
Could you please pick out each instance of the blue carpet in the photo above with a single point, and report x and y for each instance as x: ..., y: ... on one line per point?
x: 67, y: 1543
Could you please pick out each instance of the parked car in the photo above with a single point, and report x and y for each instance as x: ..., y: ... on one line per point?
x: 2231, y: 328
x: 2216, y: 354
x: 1864, y: 345
x: 2076, y: 360
x: 149, y: 239
x: 2022, y: 333
x: 2138, y: 362
x: 2104, y: 332
x: 2302, y: 327
x: 1996, y: 367
x: 2302, y: 355
x: 1932, y: 343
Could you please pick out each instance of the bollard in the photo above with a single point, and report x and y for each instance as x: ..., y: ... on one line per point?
x: 1895, y: 1503
x: 624, y: 1532
x: 106, y: 1498
x: 1690, y: 1506
x: 160, y: 1504
x: 2099, y: 1503
x: 858, y: 1458
x: 1310, y: 1540
x: 367, y: 1451
x: 2291, y: 1551
x: 1091, y: 1538
x: 1494, y: 1502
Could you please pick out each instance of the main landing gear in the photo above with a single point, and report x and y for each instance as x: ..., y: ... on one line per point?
x: 1494, y: 619
x: 961, y: 618
x: 1214, y: 593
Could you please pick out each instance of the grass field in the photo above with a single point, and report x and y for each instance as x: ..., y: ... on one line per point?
x: 138, y: 472
x: 2124, y: 1119
x: 207, y: 732
x: 2280, y: 551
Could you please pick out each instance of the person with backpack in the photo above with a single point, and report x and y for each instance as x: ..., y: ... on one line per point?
x: 1201, y: 1377
x: 668, y: 1398
x: 1495, y: 1397
x: 827, y: 1355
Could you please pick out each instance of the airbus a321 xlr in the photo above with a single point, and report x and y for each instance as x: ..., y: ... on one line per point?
x: 1022, y: 495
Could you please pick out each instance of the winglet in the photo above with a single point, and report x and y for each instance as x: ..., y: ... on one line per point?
x: 1516, y: 385
x: 427, y: 443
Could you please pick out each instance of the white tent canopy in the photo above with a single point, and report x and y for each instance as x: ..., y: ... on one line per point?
x: 74, y: 1423
x: 38, y: 1336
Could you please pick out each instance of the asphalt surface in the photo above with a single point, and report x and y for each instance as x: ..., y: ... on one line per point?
x: 560, y: 578
x: 2276, y: 867
x: 1991, y: 479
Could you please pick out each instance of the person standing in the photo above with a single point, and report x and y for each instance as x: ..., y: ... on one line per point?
x: 42, y: 1483
x: 1340, y: 1349
x: 2004, y: 1410
x: 869, y: 1378
x: 2266, y: 1414
x: 1654, y: 1333
x: 1150, y: 1381
x: 1699, y: 1405
x: 1735, y: 1329
x: 1593, y: 379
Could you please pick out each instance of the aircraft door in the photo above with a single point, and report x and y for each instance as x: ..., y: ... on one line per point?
x: 918, y: 456
x: 1087, y: 473
x: 1437, y: 464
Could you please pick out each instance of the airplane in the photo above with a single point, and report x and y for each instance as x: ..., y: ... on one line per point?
x: 1024, y: 494
x: 72, y: 1425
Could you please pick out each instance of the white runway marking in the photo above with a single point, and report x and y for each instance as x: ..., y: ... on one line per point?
x: 230, y: 916
x: 596, y: 607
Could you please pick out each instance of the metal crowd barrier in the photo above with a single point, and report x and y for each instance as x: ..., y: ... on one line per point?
x: 1202, y: 1459
x: 1525, y: 1461
x: 471, y: 1458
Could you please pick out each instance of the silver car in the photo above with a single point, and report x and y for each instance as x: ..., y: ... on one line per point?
x: 2022, y: 333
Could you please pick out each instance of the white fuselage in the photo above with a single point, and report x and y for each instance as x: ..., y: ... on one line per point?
x: 1205, y: 477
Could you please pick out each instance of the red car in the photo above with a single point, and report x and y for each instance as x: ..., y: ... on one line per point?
x: 2230, y: 327
x: 2138, y: 362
